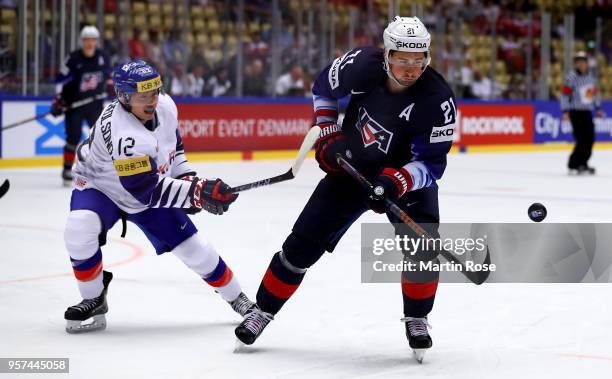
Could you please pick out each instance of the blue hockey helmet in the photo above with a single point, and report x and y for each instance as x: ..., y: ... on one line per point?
x: 135, y: 76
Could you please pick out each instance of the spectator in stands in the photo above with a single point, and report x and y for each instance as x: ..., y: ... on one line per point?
x: 516, y: 88
x: 307, y: 85
x: 198, y: 57
x: 515, y: 60
x: 112, y: 46
x: 481, y: 86
x: 196, y: 81
x: 492, y: 10
x: 291, y: 83
x: 136, y: 46
x: 154, y: 47
x: 286, y: 37
x: 166, y: 78
x: 467, y: 77
x: 450, y: 58
x: 219, y: 84
x: 257, y: 48
x: 470, y: 10
x: 174, y: 48
x: 178, y: 83
x: 254, y: 79
x: 592, y: 56
x: 509, y: 44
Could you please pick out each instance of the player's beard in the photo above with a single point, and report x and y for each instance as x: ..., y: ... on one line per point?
x: 407, y: 81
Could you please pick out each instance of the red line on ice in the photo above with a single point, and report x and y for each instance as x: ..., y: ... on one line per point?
x: 137, y: 252
x: 571, y: 355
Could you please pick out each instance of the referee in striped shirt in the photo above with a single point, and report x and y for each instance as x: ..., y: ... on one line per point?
x: 580, y: 96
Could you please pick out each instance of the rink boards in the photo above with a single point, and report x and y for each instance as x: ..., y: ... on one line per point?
x: 251, y: 128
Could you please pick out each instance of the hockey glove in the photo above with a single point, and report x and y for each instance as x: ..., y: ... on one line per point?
x: 57, y: 106
x: 330, y: 142
x: 212, y: 195
x: 389, y: 184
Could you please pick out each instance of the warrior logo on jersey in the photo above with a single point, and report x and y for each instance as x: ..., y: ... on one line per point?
x: 372, y: 132
x: 90, y: 81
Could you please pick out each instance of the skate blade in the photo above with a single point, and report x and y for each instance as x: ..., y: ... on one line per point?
x: 76, y: 327
x: 419, y: 354
x: 239, y: 347
x: 66, y: 183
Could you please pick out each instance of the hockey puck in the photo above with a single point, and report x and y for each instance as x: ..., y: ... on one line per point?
x: 536, y: 212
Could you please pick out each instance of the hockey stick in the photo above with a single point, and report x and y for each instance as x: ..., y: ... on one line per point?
x: 4, y: 187
x: 476, y: 277
x: 307, y: 144
x: 76, y: 104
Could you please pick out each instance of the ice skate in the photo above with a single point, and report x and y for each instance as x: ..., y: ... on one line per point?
x: 67, y: 177
x: 242, y: 305
x: 582, y: 170
x: 418, y: 337
x: 94, y: 309
x: 586, y: 170
x: 252, y: 326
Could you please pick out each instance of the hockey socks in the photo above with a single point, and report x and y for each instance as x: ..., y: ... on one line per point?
x: 88, y: 273
x: 278, y: 284
x: 418, y: 297
x: 69, y: 155
x: 81, y: 239
x: 222, y: 279
x: 202, y: 258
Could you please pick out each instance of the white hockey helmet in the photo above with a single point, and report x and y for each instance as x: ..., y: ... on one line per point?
x: 406, y: 34
x: 90, y: 31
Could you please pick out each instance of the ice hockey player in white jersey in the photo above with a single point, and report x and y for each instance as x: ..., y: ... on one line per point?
x: 133, y: 167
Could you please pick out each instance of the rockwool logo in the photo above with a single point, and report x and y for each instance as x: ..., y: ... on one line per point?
x: 485, y: 125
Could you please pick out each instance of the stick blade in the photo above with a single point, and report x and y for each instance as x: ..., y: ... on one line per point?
x: 307, y: 144
x: 4, y: 187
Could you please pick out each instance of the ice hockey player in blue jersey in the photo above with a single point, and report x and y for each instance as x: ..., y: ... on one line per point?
x: 82, y: 79
x: 133, y: 167
x: 397, y: 131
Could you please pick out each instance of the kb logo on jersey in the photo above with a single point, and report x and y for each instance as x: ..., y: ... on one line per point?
x: 372, y: 132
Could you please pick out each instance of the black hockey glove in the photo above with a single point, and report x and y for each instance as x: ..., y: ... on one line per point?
x: 212, y: 195
x: 331, y: 142
x: 389, y: 184
x: 57, y: 106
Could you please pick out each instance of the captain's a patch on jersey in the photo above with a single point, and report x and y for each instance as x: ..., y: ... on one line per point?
x: 132, y: 166
x: 443, y: 133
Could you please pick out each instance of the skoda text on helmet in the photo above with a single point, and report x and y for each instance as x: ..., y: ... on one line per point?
x: 90, y: 31
x: 135, y: 77
x: 406, y: 34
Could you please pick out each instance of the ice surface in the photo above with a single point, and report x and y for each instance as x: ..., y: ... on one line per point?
x: 164, y: 322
